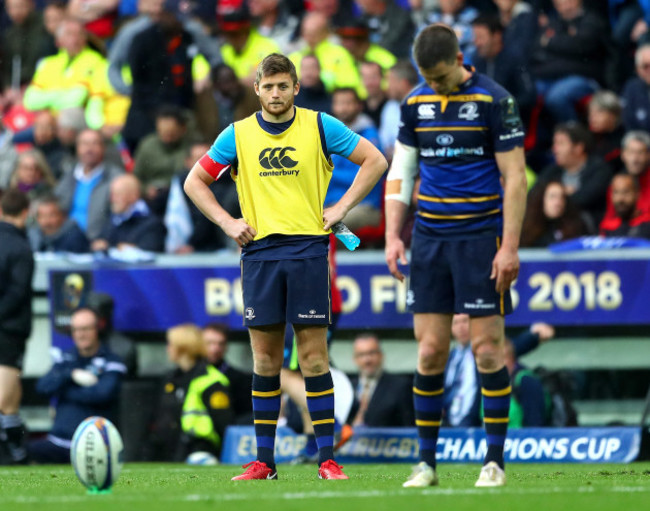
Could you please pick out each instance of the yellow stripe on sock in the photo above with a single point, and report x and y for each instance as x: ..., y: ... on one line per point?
x: 497, y: 393
x: 270, y: 393
x: 428, y: 392
x: 322, y: 421
x: 322, y: 393
x: 261, y: 421
x: 496, y: 420
x: 427, y: 423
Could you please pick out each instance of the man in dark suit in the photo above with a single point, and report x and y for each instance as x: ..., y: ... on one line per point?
x: 382, y: 399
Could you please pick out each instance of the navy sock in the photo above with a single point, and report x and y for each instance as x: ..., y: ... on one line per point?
x: 266, y: 408
x: 496, y: 392
x: 427, y: 400
x: 320, y: 401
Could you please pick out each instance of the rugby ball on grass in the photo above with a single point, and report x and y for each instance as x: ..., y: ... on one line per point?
x: 96, y: 453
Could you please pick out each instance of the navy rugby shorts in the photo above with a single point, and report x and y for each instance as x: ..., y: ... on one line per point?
x: 293, y: 291
x: 453, y: 276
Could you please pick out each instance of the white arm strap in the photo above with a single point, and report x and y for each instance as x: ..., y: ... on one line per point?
x: 401, y: 176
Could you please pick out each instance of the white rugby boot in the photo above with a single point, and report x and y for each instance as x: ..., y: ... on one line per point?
x: 423, y: 475
x: 491, y: 475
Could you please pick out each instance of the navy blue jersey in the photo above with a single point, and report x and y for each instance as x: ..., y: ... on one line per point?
x: 75, y: 403
x: 457, y: 137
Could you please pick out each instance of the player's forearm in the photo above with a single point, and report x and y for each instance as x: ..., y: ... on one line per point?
x: 514, y: 208
x: 395, y: 212
x: 203, y: 198
x: 367, y: 177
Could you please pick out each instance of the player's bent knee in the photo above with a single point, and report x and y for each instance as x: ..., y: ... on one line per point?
x: 267, y: 364
x: 431, y: 358
x: 313, y: 363
x: 489, y: 356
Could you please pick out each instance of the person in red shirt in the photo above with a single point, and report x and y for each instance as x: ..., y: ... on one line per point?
x: 629, y: 221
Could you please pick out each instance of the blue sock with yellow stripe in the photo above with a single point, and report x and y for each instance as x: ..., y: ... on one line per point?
x: 320, y: 401
x: 427, y: 400
x: 496, y: 392
x: 266, y: 408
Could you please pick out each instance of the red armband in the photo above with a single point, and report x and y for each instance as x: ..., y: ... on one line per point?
x: 215, y: 169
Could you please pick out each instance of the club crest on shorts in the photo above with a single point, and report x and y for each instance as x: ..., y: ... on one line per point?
x: 250, y: 313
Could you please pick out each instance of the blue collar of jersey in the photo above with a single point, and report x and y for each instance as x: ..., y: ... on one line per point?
x: 275, y: 128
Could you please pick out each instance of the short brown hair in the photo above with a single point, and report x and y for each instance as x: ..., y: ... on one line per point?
x: 436, y: 43
x: 13, y: 203
x: 274, y: 64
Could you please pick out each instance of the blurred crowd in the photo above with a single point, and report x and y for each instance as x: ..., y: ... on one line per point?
x: 105, y: 105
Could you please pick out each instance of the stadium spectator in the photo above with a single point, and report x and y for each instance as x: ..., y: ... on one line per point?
x: 372, y: 77
x: 83, y: 381
x: 355, y: 37
x: 551, y: 217
x: 339, y: 12
x: 519, y: 21
x: 97, y: 16
x: 54, y: 231
x: 243, y: 47
x: 32, y: 174
x: 161, y: 154
x: 42, y: 136
x: 8, y: 155
x: 390, y: 25
x: 274, y: 20
x: 54, y: 13
x: 160, y: 58
x: 21, y: 46
x: 462, y: 394
x: 567, y: 60
x: 382, y: 399
x: 83, y: 191
x: 227, y: 102
x: 288, y: 219
x: 629, y: 220
x: 635, y: 156
x: 16, y: 272
x: 584, y: 176
x: 636, y: 93
x: 348, y: 108
x: 457, y: 15
x: 498, y: 61
x: 530, y: 404
x: 442, y: 244
x: 188, y: 230
x: 401, y: 78
x: 148, y: 13
x: 194, y: 403
x: 215, y: 336
x: 337, y: 65
x: 604, y: 120
x: 104, y: 306
x: 131, y: 224
x: 74, y: 77
x: 312, y: 93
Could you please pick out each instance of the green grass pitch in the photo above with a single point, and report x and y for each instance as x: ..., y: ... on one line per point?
x: 158, y: 487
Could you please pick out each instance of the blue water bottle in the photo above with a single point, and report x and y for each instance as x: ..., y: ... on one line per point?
x: 349, y: 239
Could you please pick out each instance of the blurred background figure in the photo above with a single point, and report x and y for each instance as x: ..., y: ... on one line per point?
x: 381, y: 399
x: 194, y: 406
x: 629, y: 220
x: 605, y: 124
x: 54, y: 231
x: 83, y: 191
x: 215, y: 336
x: 131, y: 224
x: 83, y: 382
x: 32, y: 175
x: 16, y: 272
x: 312, y: 94
x: 551, y: 217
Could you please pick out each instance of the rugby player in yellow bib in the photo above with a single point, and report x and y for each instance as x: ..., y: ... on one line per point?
x: 280, y: 160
